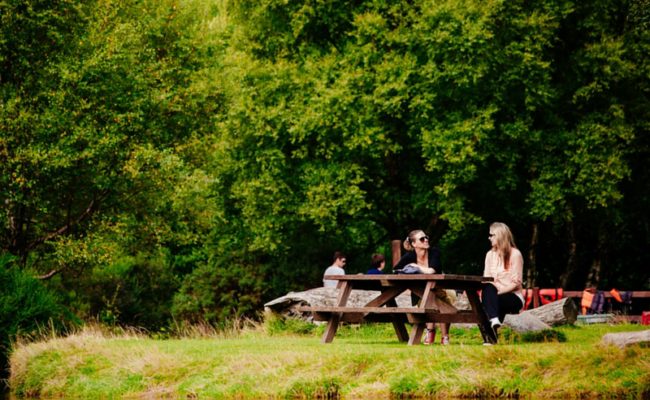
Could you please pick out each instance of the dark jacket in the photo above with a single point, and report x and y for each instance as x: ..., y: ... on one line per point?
x: 410, y: 257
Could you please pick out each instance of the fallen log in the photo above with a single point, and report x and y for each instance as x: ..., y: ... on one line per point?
x: 522, y: 323
x: 560, y: 312
x: 623, y: 339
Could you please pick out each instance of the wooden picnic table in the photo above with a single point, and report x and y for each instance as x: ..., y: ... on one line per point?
x: 384, y: 308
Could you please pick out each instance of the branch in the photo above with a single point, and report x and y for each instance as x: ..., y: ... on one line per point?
x: 48, y: 275
x: 92, y: 207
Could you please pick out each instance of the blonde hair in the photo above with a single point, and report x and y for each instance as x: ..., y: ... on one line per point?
x: 408, y: 242
x: 505, y: 242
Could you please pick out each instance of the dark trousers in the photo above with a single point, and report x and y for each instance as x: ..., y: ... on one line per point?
x: 498, y: 305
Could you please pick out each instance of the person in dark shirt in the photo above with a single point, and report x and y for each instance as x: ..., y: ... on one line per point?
x: 377, y: 264
x: 421, y: 255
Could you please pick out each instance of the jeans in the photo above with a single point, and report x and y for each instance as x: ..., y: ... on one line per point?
x: 498, y: 305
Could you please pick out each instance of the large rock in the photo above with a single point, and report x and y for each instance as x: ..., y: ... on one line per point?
x: 326, y: 296
x: 323, y: 296
x: 623, y: 339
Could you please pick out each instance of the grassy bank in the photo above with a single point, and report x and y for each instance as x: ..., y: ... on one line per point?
x: 365, y: 362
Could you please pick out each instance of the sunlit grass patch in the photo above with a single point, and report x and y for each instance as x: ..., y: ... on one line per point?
x: 362, y: 361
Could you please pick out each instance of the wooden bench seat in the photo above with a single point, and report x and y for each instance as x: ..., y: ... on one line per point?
x: 411, y: 315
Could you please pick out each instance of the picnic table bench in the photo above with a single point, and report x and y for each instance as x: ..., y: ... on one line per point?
x: 384, y: 308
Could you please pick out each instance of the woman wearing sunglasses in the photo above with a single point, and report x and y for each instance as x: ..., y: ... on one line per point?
x: 505, y: 264
x: 422, y: 256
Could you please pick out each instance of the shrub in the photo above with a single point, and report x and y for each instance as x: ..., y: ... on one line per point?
x: 219, y: 292
x: 25, y: 306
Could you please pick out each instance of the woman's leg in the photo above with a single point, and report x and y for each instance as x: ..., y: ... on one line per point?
x: 490, y: 300
x: 430, y: 333
x: 444, y: 333
x: 508, y: 303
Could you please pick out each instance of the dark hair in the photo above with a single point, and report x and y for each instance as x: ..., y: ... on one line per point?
x: 377, y: 259
x: 337, y: 255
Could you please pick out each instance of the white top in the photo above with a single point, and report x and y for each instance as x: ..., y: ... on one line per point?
x: 332, y: 270
x: 509, y: 280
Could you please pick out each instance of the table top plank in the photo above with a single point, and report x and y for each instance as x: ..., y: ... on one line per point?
x: 378, y: 310
x: 410, y: 277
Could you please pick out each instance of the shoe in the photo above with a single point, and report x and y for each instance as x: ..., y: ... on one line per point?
x: 487, y: 344
x: 495, y: 327
x: 444, y: 341
x: 430, y: 336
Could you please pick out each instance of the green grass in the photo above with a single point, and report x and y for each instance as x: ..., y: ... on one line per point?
x: 363, y: 362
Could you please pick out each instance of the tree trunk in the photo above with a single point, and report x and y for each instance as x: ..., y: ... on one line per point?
x: 524, y: 322
x: 593, y: 279
x: 531, y: 272
x: 560, y: 312
x: 571, y: 261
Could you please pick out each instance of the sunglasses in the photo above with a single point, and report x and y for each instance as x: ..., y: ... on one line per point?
x: 424, y: 239
x: 491, y: 235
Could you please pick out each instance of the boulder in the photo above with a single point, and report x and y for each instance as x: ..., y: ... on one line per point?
x: 327, y: 296
x: 623, y: 339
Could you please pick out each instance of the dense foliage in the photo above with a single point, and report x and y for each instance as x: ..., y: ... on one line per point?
x: 192, y: 159
x: 26, y: 308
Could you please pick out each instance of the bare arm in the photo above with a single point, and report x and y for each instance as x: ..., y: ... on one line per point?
x: 511, y: 279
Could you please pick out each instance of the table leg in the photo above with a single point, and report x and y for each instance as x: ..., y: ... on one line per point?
x: 332, y: 327
x: 428, y: 299
x: 398, y: 324
x: 385, y: 297
x: 416, y: 334
x: 484, y: 324
x: 333, y: 324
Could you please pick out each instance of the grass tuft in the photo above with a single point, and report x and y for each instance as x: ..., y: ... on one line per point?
x: 325, y: 389
x: 507, y: 335
x: 275, y: 324
x: 405, y: 387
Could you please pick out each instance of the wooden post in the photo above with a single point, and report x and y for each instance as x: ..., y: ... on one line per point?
x: 535, y: 297
x: 396, y: 249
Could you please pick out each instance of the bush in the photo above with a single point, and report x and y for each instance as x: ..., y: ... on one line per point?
x: 25, y: 306
x: 131, y: 291
x: 220, y: 292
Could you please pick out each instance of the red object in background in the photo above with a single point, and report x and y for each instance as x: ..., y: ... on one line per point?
x: 645, y: 318
x: 550, y: 295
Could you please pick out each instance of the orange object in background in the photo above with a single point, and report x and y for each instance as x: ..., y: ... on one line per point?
x: 615, y: 294
x: 587, y: 298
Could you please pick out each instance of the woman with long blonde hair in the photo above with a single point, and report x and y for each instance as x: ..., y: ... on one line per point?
x: 505, y: 264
